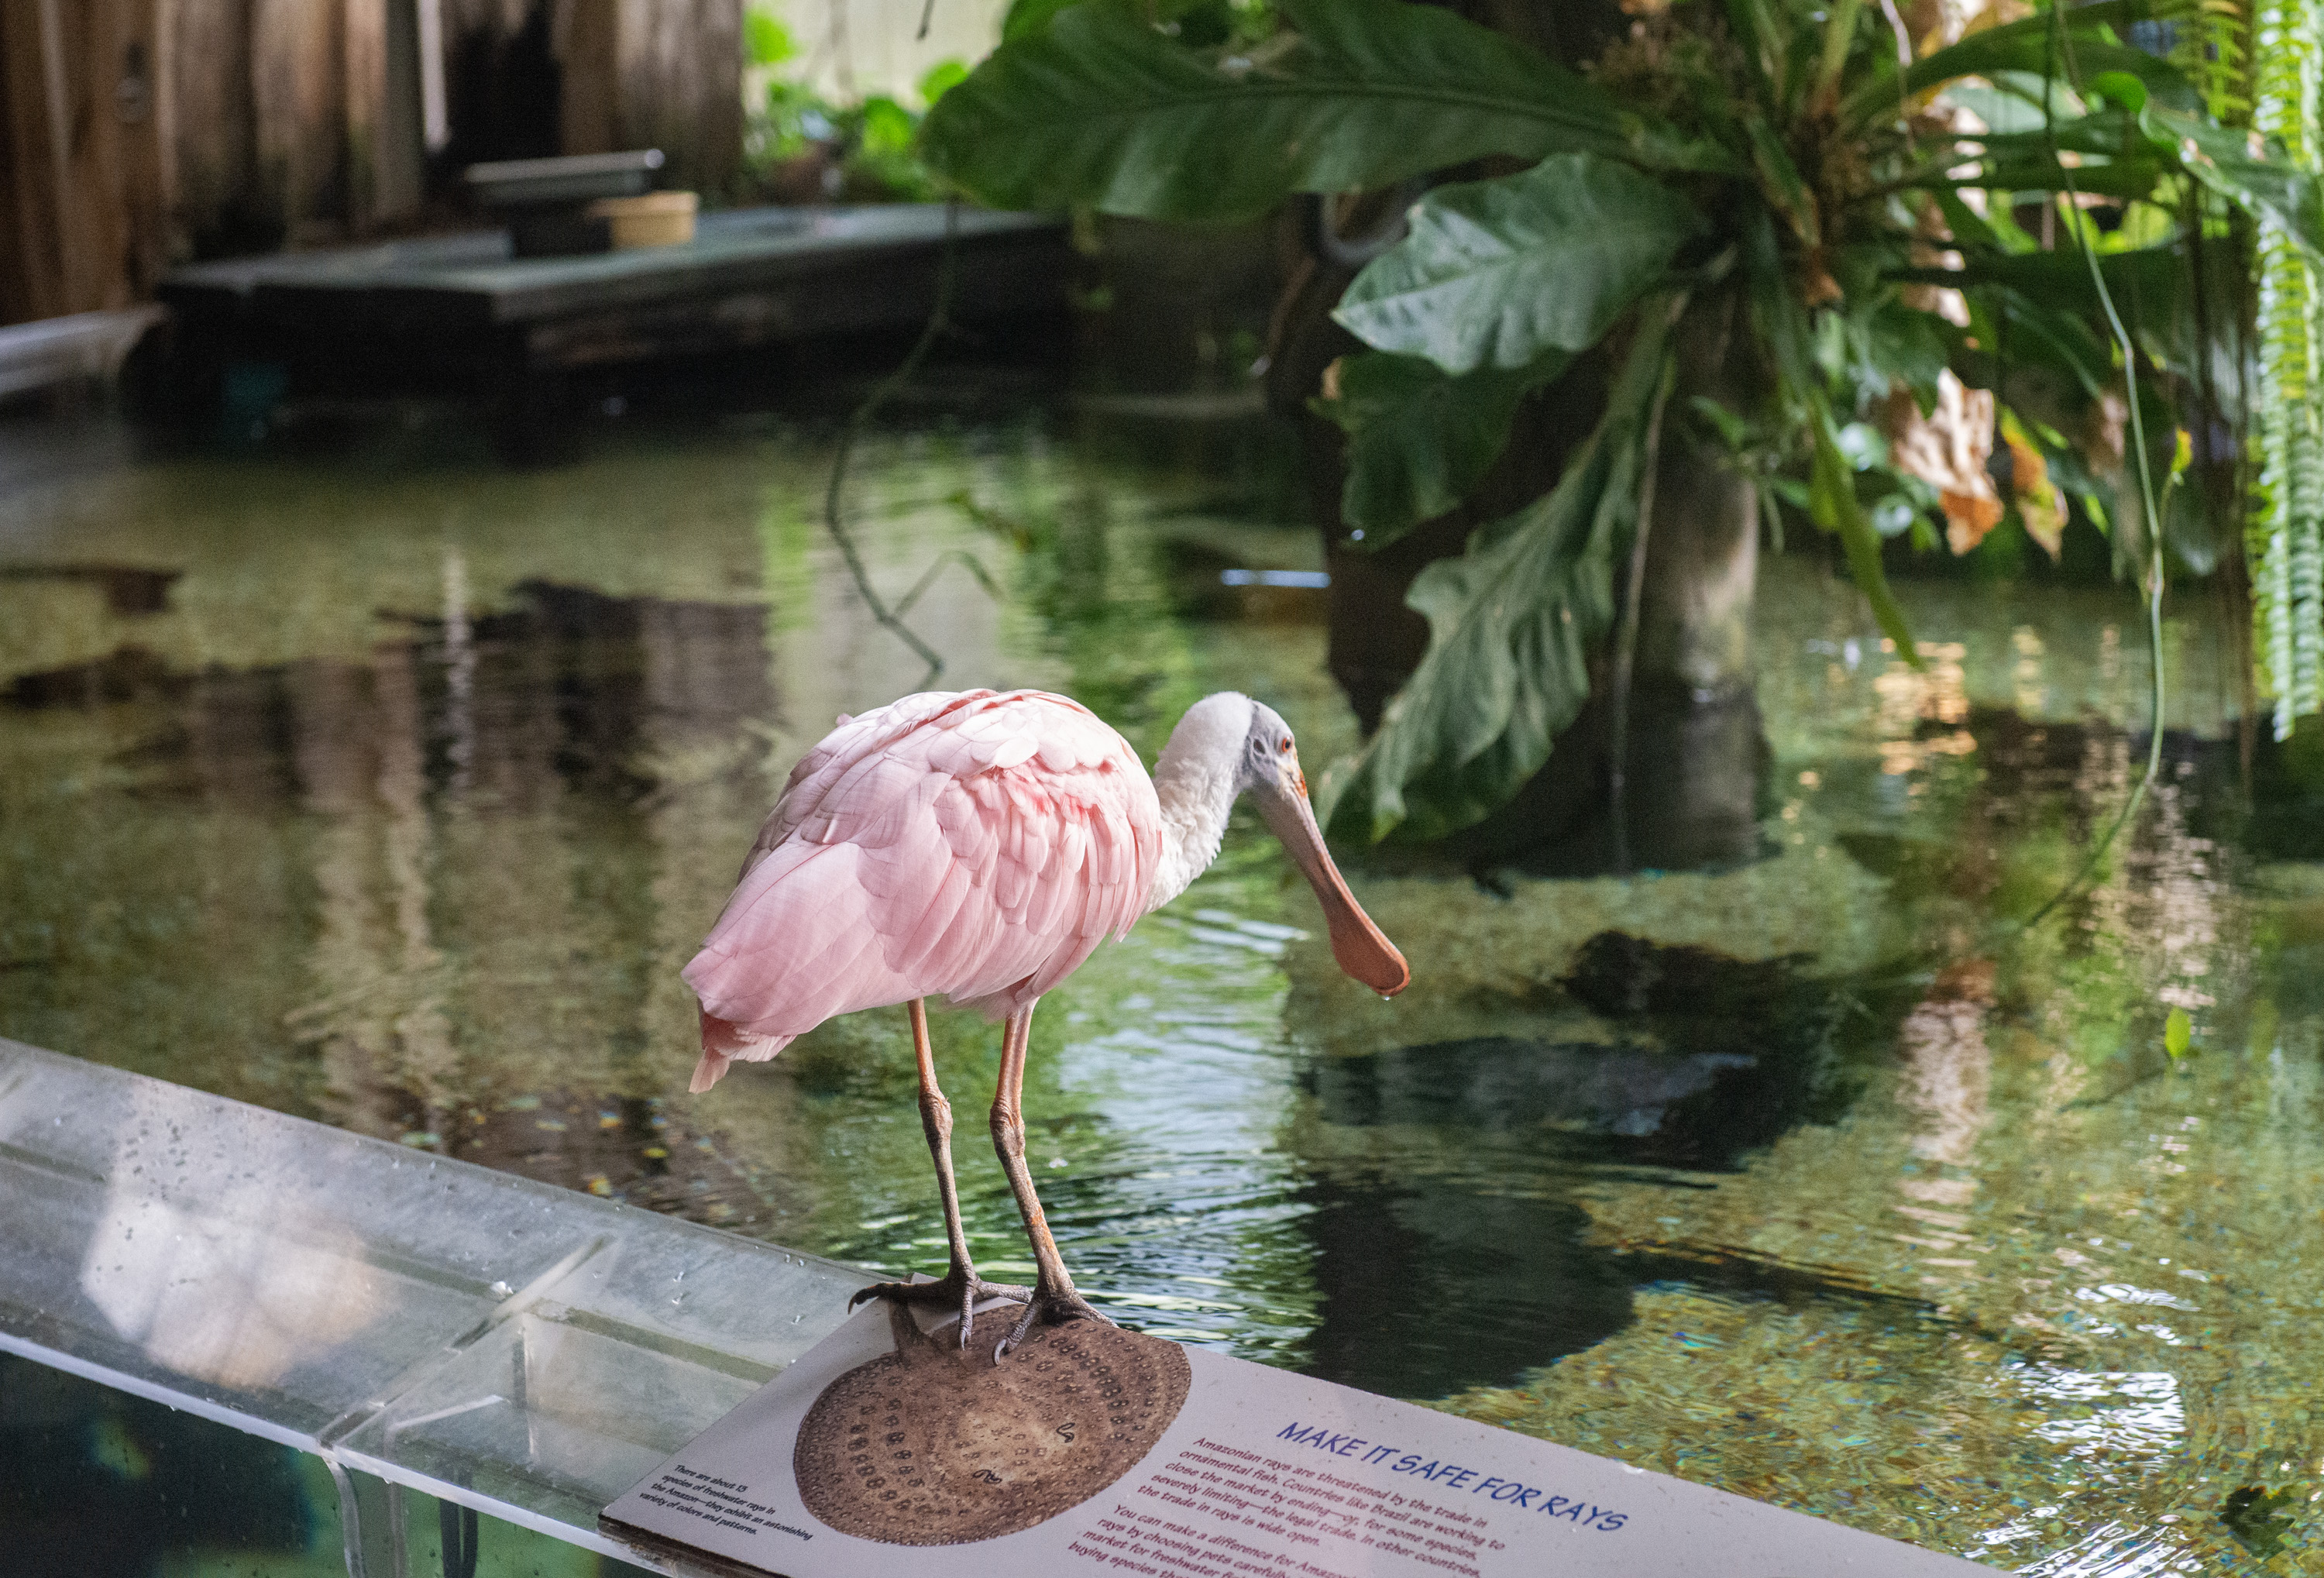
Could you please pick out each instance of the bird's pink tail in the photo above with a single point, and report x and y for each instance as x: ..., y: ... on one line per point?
x: 726, y: 1043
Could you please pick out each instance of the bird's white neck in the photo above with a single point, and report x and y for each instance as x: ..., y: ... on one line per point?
x: 1196, y: 787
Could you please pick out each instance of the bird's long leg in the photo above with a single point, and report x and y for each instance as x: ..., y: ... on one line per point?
x: 961, y: 1285
x: 1054, y: 1298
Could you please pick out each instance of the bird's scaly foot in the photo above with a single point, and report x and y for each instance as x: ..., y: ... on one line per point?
x: 1046, y: 1307
x: 953, y: 1290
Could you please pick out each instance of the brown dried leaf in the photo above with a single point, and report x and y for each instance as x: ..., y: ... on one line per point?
x: 2040, y: 504
x: 1948, y: 449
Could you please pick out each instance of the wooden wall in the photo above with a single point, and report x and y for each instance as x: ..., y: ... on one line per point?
x: 83, y: 175
x: 137, y: 132
x: 664, y: 74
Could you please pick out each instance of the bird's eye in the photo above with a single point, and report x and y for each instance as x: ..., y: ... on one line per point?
x: 1285, y: 746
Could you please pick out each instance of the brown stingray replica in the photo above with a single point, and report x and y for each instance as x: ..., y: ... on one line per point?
x: 930, y: 1445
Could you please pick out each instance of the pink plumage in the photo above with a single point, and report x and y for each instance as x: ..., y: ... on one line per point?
x: 975, y: 846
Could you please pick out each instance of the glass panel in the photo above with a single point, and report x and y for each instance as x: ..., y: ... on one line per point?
x: 528, y: 1350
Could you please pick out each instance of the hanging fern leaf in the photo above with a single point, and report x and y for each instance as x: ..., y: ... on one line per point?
x: 2286, y: 535
x: 2212, y: 50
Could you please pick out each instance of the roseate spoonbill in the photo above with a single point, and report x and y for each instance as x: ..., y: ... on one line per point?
x: 979, y: 844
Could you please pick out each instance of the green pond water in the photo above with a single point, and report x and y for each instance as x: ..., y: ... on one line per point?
x: 393, y: 790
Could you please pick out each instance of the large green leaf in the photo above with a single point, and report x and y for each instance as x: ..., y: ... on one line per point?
x: 1100, y: 108
x: 1025, y: 17
x: 2260, y: 180
x: 1833, y: 506
x: 1904, y: 345
x: 1494, y: 274
x: 2013, y: 102
x: 2111, y: 132
x: 2131, y: 180
x: 2152, y: 278
x: 1787, y: 192
x: 2024, y: 46
x: 1761, y: 38
x: 1513, y: 624
x: 1418, y: 438
x: 2036, y: 333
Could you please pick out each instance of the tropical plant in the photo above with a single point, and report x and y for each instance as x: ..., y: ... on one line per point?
x: 798, y: 145
x: 1854, y: 217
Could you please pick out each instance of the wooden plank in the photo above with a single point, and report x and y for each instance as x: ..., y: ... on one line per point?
x: 216, y: 199
x: 142, y: 108
x: 34, y: 276
x: 84, y: 178
x: 664, y: 74
x: 588, y: 53
x: 362, y: 91
x: 73, y: 259
x: 681, y: 87
x: 299, y: 104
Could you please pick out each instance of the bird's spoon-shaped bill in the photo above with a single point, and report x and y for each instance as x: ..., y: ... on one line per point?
x: 1361, y: 948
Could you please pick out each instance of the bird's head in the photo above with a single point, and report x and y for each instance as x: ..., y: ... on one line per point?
x: 1266, y: 767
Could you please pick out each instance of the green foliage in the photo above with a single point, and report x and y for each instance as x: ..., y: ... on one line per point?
x: 2285, y: 540
x: 1512, y: 624
x: 1099, y: 109
x: 1192, y: 21
x: 766, y: 41
x: 1834, y: 507
x: 1419, y: 438
x: 2266, y: 184
x: 872, y: 147
x: 1498, y: 273
x: 2021, y: 47
x: 1025, y: 18
x: 2212, y: 50
x: 940, y: 80
x: 2178, y: 1033
x: 1771, y: 158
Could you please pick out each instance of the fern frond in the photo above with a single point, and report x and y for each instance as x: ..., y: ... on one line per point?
x: 2284, y: 541
x: 2212, y: 50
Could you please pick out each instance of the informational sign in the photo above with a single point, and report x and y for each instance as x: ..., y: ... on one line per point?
x: 1093, y: 1450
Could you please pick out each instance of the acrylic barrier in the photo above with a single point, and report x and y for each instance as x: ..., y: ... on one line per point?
x: 521, y: 1349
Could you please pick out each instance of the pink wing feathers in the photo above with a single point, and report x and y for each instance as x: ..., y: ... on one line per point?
x: 975, y: 846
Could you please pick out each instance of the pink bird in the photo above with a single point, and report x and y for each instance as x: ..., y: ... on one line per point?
x: 978, y: 845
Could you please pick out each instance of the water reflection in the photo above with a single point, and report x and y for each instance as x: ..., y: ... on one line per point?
x: 1797, y: 1174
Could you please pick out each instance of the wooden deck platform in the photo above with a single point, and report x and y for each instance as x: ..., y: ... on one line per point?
x: 459, y: 315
